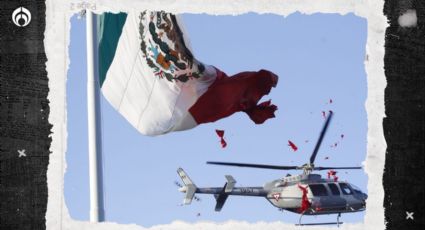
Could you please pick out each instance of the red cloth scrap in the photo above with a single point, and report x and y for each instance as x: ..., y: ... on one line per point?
x: 332, y: 173
x: 305, y: 204
x: 220, y: 133
x: 292, y: 145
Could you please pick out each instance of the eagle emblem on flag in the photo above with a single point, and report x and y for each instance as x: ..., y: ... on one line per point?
x: 164, y: 49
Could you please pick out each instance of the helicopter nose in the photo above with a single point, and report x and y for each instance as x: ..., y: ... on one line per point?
x: 364, y: 199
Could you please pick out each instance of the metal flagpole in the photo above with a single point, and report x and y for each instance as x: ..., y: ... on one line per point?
x: 97, y: 213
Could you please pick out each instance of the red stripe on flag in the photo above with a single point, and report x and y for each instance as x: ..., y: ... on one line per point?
x: 240, y: 92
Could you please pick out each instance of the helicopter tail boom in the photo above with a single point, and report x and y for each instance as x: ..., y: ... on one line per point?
x: 220, y: 193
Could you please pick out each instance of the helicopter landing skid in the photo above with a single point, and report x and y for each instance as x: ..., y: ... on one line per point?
x: 325, y: 223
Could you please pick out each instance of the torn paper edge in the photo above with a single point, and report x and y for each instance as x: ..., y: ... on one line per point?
x: 57, y: 40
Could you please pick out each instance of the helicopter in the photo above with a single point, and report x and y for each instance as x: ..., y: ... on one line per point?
x: 305, y: 194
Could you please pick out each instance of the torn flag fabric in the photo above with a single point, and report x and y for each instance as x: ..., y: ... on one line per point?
x: 220, y: 134
x: 149, y: 75
x: 305, y: 203
x: 292, y: 145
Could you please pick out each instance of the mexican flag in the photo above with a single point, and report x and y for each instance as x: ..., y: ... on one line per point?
x: 148, y: 73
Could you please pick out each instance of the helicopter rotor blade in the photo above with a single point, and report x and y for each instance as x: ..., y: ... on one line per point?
x: 255, y: 165
x: 326, y: 168
x: 319, y: 141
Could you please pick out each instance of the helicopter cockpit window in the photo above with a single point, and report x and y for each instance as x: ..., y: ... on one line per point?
x: 356, y: 189
x: 334, y: 189
x: 318, y: 190
x: 346, y: 190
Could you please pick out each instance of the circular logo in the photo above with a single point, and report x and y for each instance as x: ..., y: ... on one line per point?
x: 21, y: 17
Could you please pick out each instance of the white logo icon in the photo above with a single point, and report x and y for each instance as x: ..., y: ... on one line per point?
x: 21, y: 17
x: 409, y: 215
x: 276, y: 196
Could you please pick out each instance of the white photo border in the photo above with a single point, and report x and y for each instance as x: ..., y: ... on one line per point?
x: 57, y: 40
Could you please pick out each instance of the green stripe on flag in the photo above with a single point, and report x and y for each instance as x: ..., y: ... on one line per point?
x: 109, y: 27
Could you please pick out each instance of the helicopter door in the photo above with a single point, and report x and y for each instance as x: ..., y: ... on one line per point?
x: 336, y: 201
x: 326, y: 198
x: 334, y: 189
x: 348, y: 194
x: 321, y: 198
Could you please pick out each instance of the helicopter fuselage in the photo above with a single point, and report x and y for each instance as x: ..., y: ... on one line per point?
x: 307, y: 193
x: 325, y: 196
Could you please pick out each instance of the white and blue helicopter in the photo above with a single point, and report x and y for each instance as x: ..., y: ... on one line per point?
x: 306, y: 193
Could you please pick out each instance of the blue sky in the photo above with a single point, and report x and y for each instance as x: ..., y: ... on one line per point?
x: 317, y: 58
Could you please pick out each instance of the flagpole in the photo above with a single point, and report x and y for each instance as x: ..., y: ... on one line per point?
x: 97, y: 212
